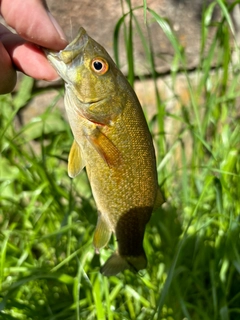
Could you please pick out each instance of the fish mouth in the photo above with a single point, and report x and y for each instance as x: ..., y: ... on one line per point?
x: 85, y: 101
x: 62, y: 59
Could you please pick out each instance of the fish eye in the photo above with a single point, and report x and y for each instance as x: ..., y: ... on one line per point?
x: 99, y: 65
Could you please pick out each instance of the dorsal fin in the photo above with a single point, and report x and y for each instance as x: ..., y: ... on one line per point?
x: 159, y: 199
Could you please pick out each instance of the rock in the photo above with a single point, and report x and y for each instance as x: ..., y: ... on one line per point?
x: 99, y: 18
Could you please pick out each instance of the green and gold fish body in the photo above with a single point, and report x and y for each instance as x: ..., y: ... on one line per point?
x: 112, y: 140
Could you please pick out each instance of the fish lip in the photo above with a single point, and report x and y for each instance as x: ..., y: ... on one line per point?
x: 79, y: 42
x: 71, y: 51
x: 65, y: 59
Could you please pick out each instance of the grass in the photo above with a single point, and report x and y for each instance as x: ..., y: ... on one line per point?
x: 48, y: 269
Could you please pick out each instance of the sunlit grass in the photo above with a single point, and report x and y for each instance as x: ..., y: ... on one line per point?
x: 48, y: 268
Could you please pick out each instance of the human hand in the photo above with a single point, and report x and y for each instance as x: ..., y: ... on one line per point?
x: 35, y: 27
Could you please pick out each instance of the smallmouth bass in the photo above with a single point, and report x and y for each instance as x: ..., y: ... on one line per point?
x: 113, y: 142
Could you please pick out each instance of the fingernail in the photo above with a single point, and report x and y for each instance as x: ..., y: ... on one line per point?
x: 57, y: 26
x: 55, y: 79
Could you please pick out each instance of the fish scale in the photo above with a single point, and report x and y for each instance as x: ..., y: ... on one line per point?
x: 113, y: 142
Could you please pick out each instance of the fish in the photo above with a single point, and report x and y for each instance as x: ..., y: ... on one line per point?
x: 113, y: 142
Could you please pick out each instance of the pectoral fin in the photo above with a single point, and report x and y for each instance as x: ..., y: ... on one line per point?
x: 105, y: 148
x: 102, y: 233
x: 159, y: 199
x: 75, y: 160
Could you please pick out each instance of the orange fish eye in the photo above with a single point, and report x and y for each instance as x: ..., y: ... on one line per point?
x: 99, y: 65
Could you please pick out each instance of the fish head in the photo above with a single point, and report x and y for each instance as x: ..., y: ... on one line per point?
x: 87, y: 69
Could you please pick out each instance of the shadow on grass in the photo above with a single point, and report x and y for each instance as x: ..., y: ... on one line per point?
x: 204, y: 283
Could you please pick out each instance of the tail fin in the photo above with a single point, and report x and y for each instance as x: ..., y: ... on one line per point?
x: 117, y: 263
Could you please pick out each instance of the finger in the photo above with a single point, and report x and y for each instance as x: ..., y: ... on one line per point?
x: 8, y: 73
x: 26, y: 57
x: 30, y: 60
x: 33, y: 22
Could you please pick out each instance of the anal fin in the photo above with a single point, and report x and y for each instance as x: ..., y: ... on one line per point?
x: 75, y: 160
x: 102, y: 233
